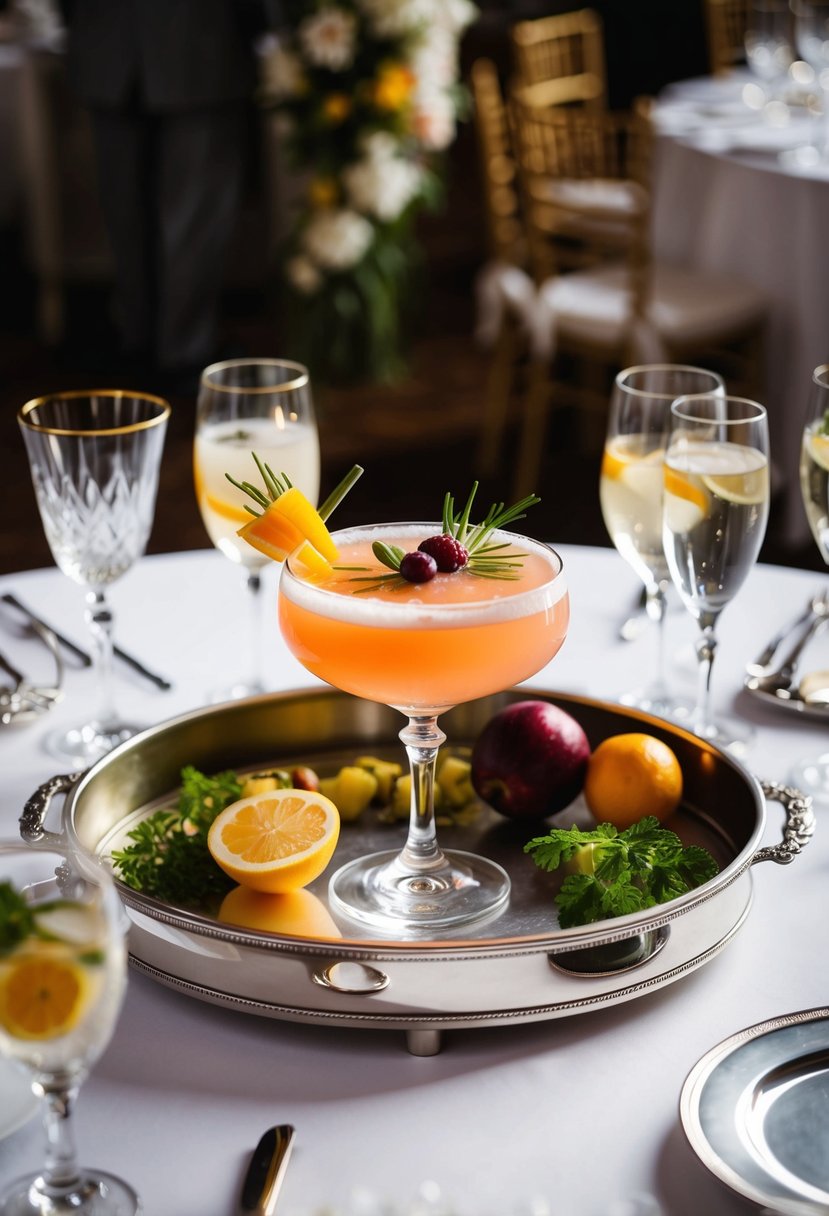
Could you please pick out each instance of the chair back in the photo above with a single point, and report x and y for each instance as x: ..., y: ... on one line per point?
x: 725, y: 26
x: 499, y: 177
x: 585, y: 189
x: 560, y: 60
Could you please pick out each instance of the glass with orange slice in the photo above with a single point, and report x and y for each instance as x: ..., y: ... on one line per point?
x: 246, y: 405
x: 631, y: 496
x: 812, y: 774
x: 62, y: 980
x: 716, y: 482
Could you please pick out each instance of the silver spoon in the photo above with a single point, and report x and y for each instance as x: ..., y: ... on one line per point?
x: 781, y: 678
x: 761, y: 665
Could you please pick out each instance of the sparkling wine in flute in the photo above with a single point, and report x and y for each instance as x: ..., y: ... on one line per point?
x: 716, y: 504
x: 630, y: 492
x: 225, y: 447
x: 814, y: 483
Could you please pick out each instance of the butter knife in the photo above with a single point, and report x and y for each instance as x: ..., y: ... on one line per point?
x: 86, y: 659
x: 266, y: 1170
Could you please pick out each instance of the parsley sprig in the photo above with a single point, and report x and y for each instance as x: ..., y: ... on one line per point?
x: 168, y: 855
x: 822, y: 427
x: 644, y: 865
x: 487, y: 558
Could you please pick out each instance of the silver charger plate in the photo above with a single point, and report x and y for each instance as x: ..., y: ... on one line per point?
x: 788, y: 698
x: 754, y: 1110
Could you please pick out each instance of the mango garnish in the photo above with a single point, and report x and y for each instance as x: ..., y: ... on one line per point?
x: 289, y: 520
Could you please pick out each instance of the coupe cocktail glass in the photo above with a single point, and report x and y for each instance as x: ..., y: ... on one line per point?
x: 422, y: 648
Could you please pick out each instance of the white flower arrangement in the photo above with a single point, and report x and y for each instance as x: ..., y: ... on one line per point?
x: 372, y: 92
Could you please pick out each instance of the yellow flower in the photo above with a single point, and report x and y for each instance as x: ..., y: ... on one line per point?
x: 323, y: 192
x: 393, y: 86
x: 336, y: 108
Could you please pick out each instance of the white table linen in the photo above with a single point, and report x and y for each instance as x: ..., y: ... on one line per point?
x: 582, y: 1110
x: 725, y: 201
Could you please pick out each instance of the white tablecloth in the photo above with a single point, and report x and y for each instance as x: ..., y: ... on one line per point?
x: 582, y: 1110
x: 724, y: 201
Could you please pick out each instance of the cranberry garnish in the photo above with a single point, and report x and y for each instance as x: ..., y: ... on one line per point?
x: 449, y: 554
x: 418, y: 567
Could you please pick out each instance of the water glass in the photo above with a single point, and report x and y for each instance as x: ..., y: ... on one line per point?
x: 95, y: 459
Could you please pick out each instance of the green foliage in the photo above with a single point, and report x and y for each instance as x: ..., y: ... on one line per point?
x: 644, y: 865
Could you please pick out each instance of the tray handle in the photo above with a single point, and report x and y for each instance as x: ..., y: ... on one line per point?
x: 799, y: 826
x: 37, y: 808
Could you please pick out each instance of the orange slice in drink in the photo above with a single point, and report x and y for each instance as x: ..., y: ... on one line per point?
x: 686, y: 502
x: 278, y: 841
x: 285, y: 524
x: 219, y: 506
x: 41, y: 996
x: 819, y: 449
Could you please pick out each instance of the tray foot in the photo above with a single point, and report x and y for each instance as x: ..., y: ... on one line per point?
x: 423, y: 1042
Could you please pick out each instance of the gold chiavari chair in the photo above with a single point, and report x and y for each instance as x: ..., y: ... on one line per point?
x: 600, y: 297
x: 503, y: 285
x: 725, y: 24
x: 560, y: 60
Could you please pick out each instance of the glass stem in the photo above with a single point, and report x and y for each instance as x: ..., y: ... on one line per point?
x: 253, y: 582
x: 706, y: 646
x: 100, y: 621
x: 422, y: 739
x: 656, y: 604
x: 61, y: 1174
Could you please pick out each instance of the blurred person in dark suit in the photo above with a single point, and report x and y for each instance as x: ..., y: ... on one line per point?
x: 168, y: 84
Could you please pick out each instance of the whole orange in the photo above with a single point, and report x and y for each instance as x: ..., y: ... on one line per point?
x: 631, y: 776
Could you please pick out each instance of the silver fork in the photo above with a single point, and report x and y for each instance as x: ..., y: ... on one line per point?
x: 762, y: 664
x: 782, y: 676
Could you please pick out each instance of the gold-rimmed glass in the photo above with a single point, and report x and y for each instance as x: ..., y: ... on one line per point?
x: 250, y: 405
x: 95, y: 457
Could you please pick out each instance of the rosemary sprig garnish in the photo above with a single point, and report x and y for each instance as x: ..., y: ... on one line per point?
x: 486, y: 558
x: 276, y: 485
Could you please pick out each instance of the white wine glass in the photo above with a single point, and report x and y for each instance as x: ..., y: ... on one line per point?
x: 811, y: 38
x: 95, y: 458
x: 716, y: 507
x: 812, y: 774
x: 244, y: 406
x: 768, y: 43
x: 63, y: 974
x: 630, y: 492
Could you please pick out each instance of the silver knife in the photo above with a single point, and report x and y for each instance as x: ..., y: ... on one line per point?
x: 266, y: 1170
x: 160, y: 681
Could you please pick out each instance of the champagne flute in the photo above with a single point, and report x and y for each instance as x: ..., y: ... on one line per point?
x: 63, y: 975
x: 95, y: 458
x: 716, y: 507
x: 251, y: 405
x: 630, y: 492
x: 812, y: 774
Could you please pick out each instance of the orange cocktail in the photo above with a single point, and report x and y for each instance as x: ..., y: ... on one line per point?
x: 423, y: 647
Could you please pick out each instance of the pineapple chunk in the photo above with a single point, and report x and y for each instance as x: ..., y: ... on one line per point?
x: 402, y: 797
x: 386, y: 772
x: 351, y: 790
x: 261, y: 783
x: 455, y: 781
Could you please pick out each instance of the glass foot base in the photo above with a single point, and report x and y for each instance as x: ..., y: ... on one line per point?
x: 381, y: 890
x: 235, y: 692
x: 729, y: 734
x: 812, y: 777
x: 659, y: 703
x: 97, y: 1194
x: 83, y: 745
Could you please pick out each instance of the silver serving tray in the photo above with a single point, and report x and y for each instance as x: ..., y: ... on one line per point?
x: 519, y: 967
x: 754, y: 1110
